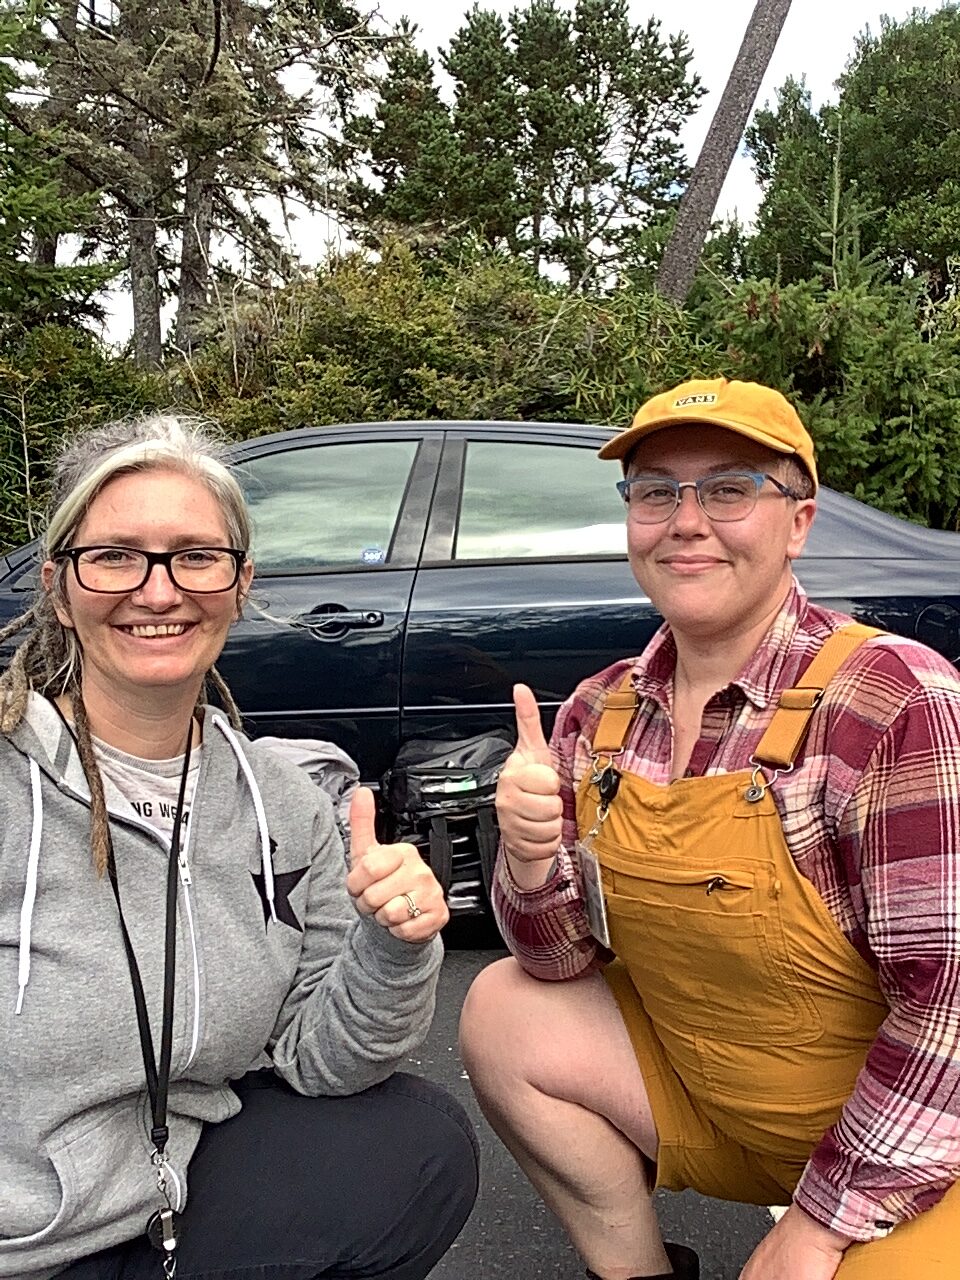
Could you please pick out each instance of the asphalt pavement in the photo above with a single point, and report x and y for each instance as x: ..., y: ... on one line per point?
x: 510, y: 1233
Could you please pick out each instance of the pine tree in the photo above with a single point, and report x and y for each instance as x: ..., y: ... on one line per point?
x: 561, y: 144
x: 546, y: 71
x: 187, y: 122
x: 37, y: 206
x: 406, y: 146
x: 896, y: 133
x: 483, y: 193
x: 633, y: 92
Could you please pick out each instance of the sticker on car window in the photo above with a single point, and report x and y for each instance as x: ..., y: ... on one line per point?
x: 373, y: 555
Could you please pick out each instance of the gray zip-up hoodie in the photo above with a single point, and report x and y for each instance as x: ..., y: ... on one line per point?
x: 274, y: 966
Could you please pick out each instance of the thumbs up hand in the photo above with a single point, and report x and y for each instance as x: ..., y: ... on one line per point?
x: 529, y: 808
x: 391, y: 882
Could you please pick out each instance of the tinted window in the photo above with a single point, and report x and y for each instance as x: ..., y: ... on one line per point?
x: 538, y: 500
x: 333, y: 505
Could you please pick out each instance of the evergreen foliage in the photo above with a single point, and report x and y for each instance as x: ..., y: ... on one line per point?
x: 467, y: 216
x: 407, y: 146
x: 875, y: 370
x: 54, y: 382
x: 183, y: 117
x: 560, y: 144
x: 35, y: 203
x: 893, y: 139
x: 408, y: 336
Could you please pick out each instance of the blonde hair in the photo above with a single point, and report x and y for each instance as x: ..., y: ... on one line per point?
x: 50, y: 660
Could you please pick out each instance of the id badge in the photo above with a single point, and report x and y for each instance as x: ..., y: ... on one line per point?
x: 593, y: 893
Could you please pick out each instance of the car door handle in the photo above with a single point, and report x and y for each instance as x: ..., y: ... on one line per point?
x: 328, y: 621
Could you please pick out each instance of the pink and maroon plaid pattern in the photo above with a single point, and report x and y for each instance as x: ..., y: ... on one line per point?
x: 871, y: 814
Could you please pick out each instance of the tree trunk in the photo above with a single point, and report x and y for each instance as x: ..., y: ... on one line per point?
x: 536, y: 230
x: 682, y: 254
x: 194, y: 259
x: 144, y: 264
x: 145, y: 288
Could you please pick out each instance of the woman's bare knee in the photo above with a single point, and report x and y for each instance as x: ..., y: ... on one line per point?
x: 565, y: 1040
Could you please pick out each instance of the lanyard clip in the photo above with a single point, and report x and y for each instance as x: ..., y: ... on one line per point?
x: 606, y: 778
x: 161, y: 1165
x: 168, y: 1233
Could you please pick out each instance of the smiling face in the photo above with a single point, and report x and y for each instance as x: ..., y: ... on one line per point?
x: 712, y: 579
x: 158, y: 638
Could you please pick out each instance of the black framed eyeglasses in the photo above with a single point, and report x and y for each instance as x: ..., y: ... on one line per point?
x: 726, y: 495
x: 119, y: 570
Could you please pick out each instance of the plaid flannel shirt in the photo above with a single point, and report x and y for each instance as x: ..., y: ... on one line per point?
x: 871, y: 815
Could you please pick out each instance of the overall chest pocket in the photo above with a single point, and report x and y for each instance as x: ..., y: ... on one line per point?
x: 708, y: 949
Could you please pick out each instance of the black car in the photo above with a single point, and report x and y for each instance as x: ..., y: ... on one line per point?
x: 409, y: 573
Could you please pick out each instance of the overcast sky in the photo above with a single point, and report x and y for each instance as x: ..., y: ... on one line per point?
x: 816, y: 42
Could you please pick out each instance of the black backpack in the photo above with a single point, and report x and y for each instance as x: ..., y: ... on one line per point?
x: 435, y: 779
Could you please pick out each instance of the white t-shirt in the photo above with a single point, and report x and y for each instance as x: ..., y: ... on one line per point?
x: 151, y: 787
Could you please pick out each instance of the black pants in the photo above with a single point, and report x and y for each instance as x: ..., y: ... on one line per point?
x: 292, y: 1188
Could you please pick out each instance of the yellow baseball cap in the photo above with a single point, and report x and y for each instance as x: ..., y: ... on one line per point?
x: 751, y: 410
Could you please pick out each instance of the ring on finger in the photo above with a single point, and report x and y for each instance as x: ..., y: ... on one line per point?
x: 412, y: 909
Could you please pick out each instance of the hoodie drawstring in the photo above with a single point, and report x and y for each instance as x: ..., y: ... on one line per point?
x: 266, y: 857
x: 30, y: 890
x: 36, y: 831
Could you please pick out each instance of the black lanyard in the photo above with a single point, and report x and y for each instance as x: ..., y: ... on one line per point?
x: 162, y: 1226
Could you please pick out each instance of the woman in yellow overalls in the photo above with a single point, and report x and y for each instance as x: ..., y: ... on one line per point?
x: 734, y: 989
x: 765, y: 1011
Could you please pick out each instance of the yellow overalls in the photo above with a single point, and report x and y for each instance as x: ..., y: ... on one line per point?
x: 749, y: 1010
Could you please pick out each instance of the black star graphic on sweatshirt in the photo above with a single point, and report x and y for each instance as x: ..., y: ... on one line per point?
x: 284, y: 883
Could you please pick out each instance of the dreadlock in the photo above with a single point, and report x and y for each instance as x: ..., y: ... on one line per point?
x: 50, y: 661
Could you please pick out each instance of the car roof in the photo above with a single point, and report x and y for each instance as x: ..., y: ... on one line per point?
x: 426, y: 427
x: 847, y: 528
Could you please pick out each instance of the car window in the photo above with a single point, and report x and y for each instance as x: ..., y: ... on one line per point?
x: 329, y: 505
x: 538, y: 500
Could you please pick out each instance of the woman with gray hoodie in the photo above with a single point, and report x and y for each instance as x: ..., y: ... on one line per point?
x: 202, y: 1006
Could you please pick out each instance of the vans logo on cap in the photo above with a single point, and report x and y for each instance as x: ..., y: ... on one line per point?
x: 705, y: 397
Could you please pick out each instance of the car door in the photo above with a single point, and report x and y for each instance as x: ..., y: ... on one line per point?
x: 524, y: 577
x: 338, y: 523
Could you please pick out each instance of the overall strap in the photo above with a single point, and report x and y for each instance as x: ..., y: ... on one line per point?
x: 619, y: 708
x: 788, y: 728
x: 786, y: 731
